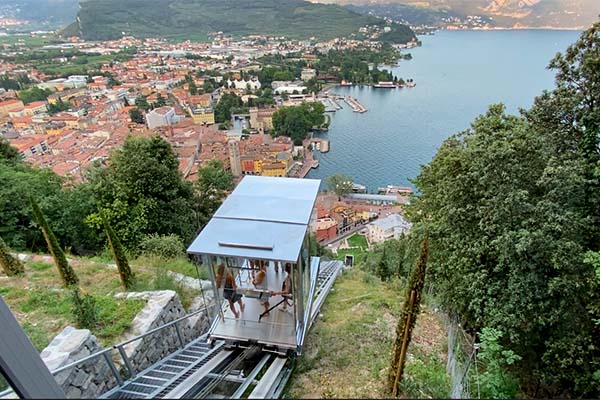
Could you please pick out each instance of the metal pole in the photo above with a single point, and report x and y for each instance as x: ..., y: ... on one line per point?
x: 181, y: 342
x: 114, y: 370
x: 21, y: 364
x: 128, y: 365
x: 400, y: 365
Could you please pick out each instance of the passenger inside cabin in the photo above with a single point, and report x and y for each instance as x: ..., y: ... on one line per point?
x: 226, y: 279
x: 286, y: 288
x: 261, y: 283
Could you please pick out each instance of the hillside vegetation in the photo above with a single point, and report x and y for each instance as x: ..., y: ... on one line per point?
x: 347, y: 352
x: 108, y: 19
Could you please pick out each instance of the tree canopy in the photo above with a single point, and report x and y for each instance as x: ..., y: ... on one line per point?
x: 512, y: 207
x: 297, y: 121
x: 212, y: 186
x: 142, y: 191
x: 339, y: 184
x: 226, y: 104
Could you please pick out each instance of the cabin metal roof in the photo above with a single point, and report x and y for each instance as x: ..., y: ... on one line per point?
x: 264, y: 217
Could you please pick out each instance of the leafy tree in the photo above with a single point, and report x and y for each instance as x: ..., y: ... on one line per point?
x: 227, y: 102
x: 111, y: 81
x: 382, y: 267
x: 509, y: 245
x: 34, y: 94
x: 339, y: 184
x: 59, y: 106
x: 193, y: 89
x: 142, y: 192
x: 66, y: 272
x: 495, y: 380
x: 212, y: 186
x: 208, y: 86
x: 160, y: 101
x: 142, y: 103
x: 19, y: 181
x: 8, y: 154
x: 407, y: 321
x: 506, y: 242
x: 127, y: 277
x: 313, y: 85
x: 10, y: 265
x: 136, y: 116
x: 297, y: 121
x: 9, y: 84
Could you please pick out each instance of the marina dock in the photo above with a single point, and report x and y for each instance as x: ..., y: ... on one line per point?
x: 354, y: 104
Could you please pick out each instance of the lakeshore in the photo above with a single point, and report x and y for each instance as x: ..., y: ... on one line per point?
x: 404, y: 128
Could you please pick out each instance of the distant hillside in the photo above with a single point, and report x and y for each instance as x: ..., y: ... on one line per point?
x: 40, y: 13
x: 108, y: 19
x: 503, y: 13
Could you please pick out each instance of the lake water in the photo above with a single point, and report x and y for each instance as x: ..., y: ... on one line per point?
x: 458, y: 74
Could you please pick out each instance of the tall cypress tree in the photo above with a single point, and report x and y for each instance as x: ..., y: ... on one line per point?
x: 382, y: 269
x: 408, y: 319
x: 127, y: 277
x: 10, y: 265
x: 66, y: 272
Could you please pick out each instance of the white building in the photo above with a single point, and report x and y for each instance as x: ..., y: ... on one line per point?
x: 308, y: 73
x: 162, y: 116
x: 252, y: 84
x: 291, y: 89
x: 390, y: 227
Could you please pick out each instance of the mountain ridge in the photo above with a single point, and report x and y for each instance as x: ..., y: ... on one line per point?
x: 574, y: 14
x: 296, y: 19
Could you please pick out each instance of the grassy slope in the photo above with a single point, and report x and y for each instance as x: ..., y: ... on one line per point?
x: 42, y: 306
x: 177, y: 18
x: 348, y: 350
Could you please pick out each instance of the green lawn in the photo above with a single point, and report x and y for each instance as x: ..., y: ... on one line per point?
x: 359, y: 249
x: 28, y: 40
x: 43, y: 308
x: 347, y: 351
x: 357, y: 240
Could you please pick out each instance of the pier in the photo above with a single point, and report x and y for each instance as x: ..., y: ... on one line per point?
x: 354, y: 104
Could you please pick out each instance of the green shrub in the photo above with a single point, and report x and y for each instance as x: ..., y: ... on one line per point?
x: 165, y: 246
x: 84, y: 309
x: 496, y: 381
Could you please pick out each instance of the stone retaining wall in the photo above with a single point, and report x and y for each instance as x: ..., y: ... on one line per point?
x: 87, y: 380
x: 162, y: 307
x: 93, y: 378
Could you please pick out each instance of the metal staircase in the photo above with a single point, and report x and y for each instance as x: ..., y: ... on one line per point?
x: 161, y: 377
x: 328, y: 273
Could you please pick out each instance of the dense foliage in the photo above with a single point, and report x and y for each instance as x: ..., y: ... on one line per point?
x: 34, y: 94
x: 142, y: 192
x: 512, y: 207
x: 9, y: 264
x: 353, y: 65
x: 67, y: 273
x: 108, y: 19
x: 297, y: 121
x: 127, y: 277
x: 339, y: 184
x: 227, y: 103
x: 213, y: 184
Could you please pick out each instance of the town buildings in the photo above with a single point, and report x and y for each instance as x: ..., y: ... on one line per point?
x: 391, y: 227
x: 163, y: 116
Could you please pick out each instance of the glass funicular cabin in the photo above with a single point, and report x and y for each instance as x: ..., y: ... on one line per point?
x: 259, y: 232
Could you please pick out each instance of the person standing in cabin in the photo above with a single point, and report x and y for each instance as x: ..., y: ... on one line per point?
x: 225, y: 277
x: 286, y: 288
x: 261, y: 282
